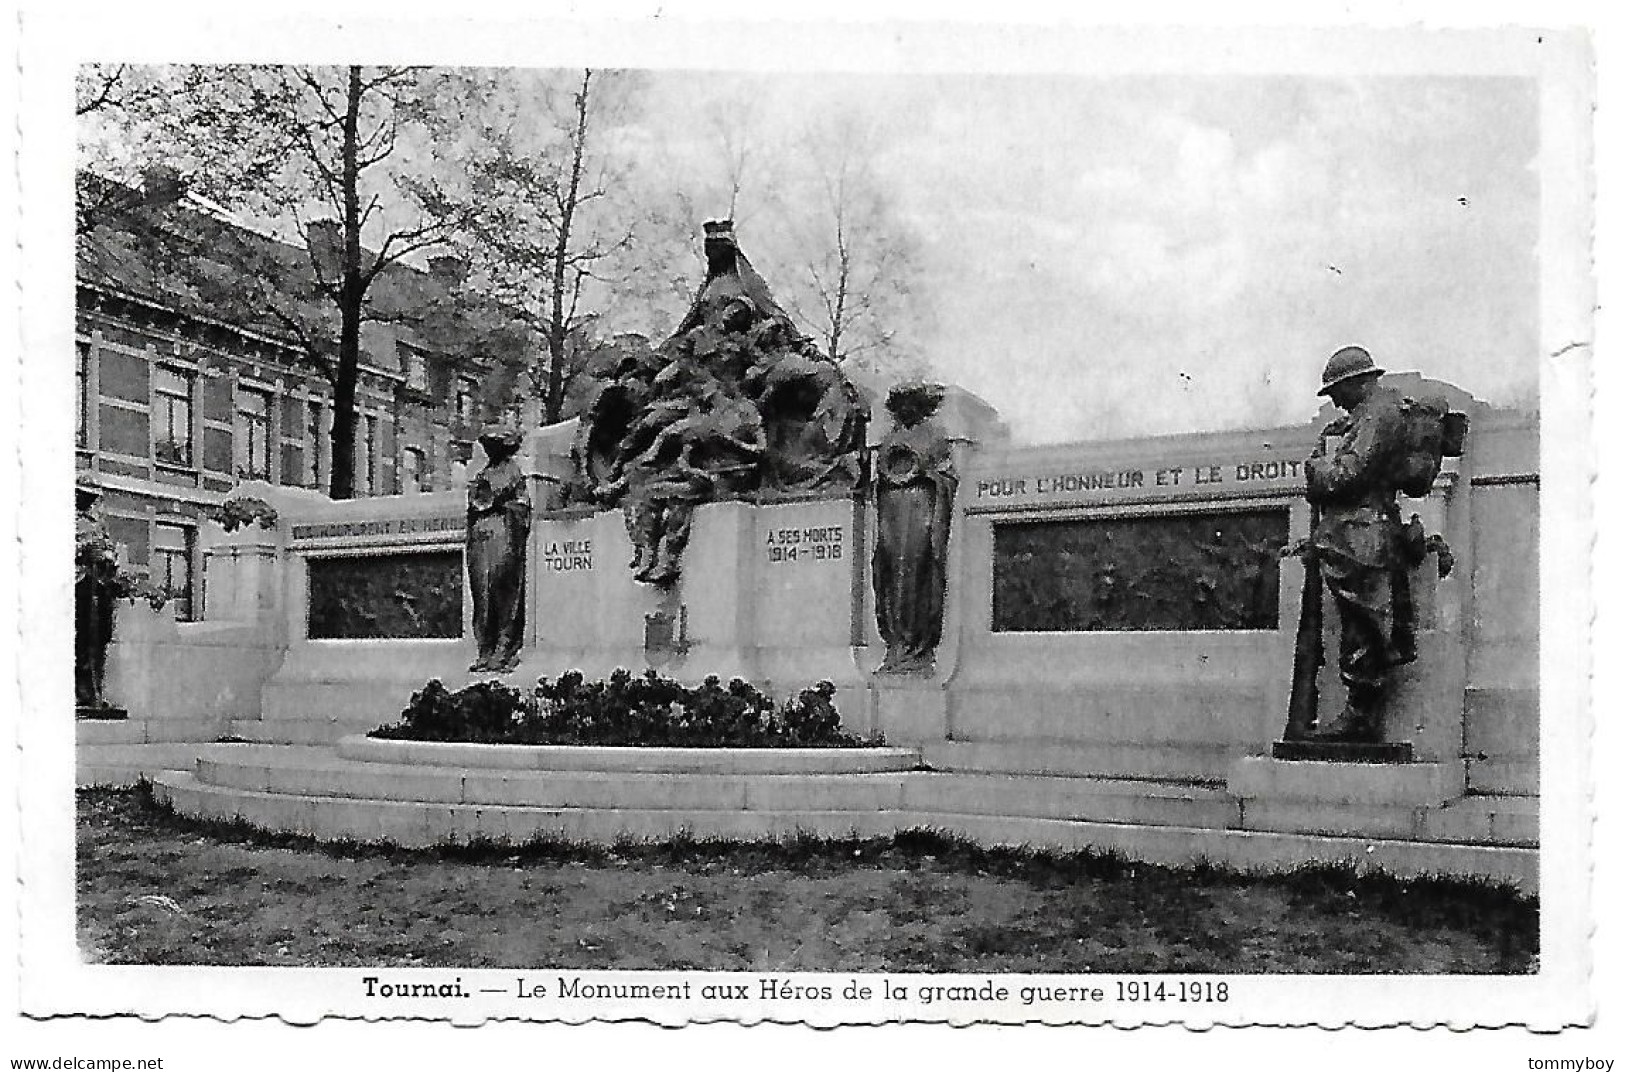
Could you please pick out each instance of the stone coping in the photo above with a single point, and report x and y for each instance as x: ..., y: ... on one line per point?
x: 756, y: 498
x: 629, y: 758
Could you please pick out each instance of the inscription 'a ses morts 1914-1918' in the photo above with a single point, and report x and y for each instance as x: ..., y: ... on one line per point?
x: 814, y: 543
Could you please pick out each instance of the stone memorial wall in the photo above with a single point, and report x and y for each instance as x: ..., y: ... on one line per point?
x: 1114, y: 608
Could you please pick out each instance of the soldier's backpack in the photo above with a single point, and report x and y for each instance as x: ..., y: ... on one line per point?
x: 1432, y: 434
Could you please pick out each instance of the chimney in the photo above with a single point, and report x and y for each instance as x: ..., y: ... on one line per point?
x: 162, y: 185
x: 325, y: 240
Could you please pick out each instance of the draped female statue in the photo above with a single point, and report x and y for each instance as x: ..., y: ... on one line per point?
x: 914, y: 493
x: 498, y: 527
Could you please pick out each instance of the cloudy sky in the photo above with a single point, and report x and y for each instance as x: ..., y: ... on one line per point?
x: 1141, y: 254
x: 1147, y: 254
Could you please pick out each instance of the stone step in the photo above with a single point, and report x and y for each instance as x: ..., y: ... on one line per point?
x: 417, y: 824
x: 330, y: 775
x: 127, y: 764
x: 148, y: 730
x: 1340, y: 819
x: 1496, y: 820
x: 313, y: 730
x: 631, y: 759
x: 1112, y: 800
x: 1195, y: 763
x: 323, y: 773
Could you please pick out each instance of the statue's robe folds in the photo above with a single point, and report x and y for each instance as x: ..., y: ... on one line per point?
x: 915, y: 486
x: 498, y: 528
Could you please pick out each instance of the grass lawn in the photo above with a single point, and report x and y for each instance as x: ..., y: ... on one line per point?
x: 155, y: 888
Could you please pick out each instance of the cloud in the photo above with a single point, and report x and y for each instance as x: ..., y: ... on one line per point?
x: 1158, y: 254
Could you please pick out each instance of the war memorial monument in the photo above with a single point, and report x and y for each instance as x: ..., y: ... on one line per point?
x: 1260, y: 647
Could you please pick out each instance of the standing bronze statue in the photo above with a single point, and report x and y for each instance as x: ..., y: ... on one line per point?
x: 914, y: 494
x: 96, y: 585
x: 498, y: 529
x: 1386, y: 444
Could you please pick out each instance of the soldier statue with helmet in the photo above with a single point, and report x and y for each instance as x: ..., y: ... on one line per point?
x: 1383, y: 445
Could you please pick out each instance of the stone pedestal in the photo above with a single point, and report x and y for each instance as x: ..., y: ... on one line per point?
x: 241, y: 576
x: 770, y: 592
x: 907, y: 709
x: 1343, y: 751
x: 584, y: 611
x: 1350, y: 798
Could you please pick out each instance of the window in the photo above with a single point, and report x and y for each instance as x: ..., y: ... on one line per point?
x: 366, y: 454
x: 465, y: 403
x: 253, y: 435
x: 412, y: 471
x: 171, y: 416
x: 81, y: 380
x: 171, y: 565
x: 416, y: 368
x: 313, y: 432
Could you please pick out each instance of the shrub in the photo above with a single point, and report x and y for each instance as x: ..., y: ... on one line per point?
x: 233, y: 514
x: 96, y: 556
x: 645, y: 709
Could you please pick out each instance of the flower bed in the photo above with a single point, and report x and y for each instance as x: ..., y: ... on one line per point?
x: 647, y: 710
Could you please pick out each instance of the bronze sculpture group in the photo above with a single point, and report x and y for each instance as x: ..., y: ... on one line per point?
x: 736, y: 401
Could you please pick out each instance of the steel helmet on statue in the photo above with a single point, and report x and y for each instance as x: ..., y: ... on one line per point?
x: 1348, y: 363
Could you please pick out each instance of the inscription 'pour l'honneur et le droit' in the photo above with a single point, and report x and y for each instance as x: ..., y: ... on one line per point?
x: 1177, y: 476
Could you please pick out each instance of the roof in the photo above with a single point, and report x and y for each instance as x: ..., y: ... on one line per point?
x: 181, y: 254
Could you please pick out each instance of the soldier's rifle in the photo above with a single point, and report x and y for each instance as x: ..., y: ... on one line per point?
x: 1309, y: 650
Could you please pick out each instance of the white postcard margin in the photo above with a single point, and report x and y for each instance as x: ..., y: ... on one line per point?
x: 54, y: 981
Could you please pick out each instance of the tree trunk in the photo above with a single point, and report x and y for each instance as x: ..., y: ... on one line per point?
x: 558, y: 322
x: 352, y: 291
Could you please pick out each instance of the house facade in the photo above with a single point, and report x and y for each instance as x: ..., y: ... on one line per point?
x: 175, y: 407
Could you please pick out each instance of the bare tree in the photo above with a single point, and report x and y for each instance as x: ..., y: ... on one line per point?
x: 742, y: 153
x: 847, y: 257
x: 545, y: 206
x: 313, y: 145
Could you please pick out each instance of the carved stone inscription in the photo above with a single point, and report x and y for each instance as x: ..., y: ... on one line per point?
x: 411, y: 595
x: 813, y: 543
x: 384, y: 526
x: 1218, y: 477
x: 1180, y: 572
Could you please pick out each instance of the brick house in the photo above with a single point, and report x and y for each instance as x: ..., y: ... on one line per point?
x: 181, y: 397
